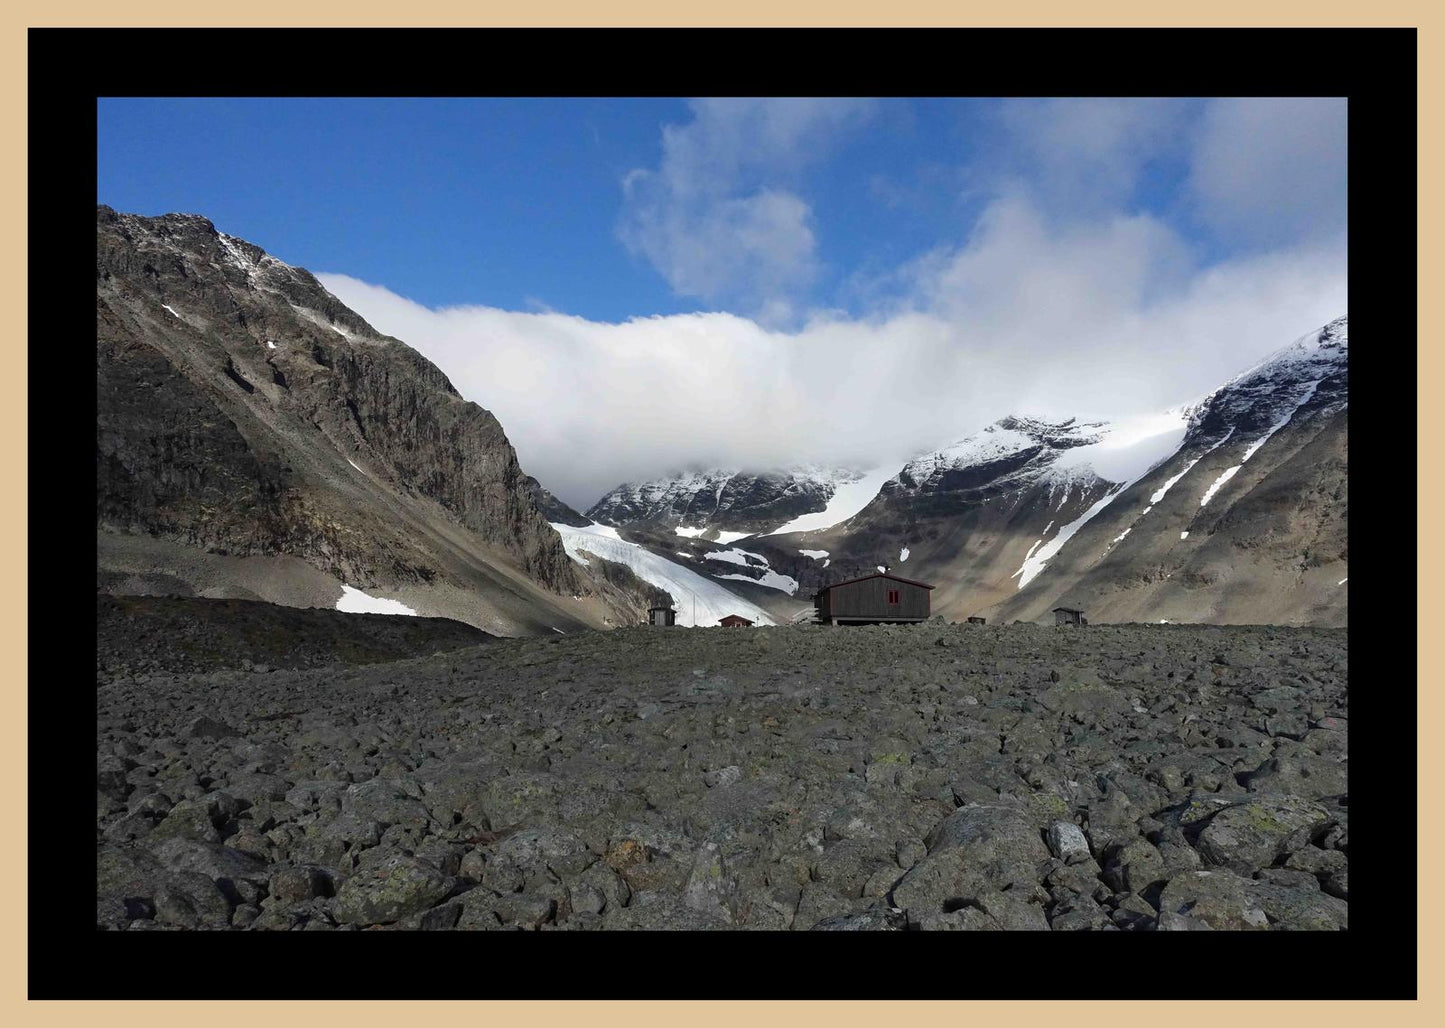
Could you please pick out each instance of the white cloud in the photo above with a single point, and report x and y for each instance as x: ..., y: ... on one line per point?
x: 1099, y: 321
x: 1272, y: 169
x: 1085, y: 155
x: 1065, y: 298
x: 718, y: 218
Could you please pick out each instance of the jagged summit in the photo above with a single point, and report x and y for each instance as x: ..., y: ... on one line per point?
x: 1309, y: 375
x: 724, y: 499
x: 179, y: 254
x: 1018, y: 452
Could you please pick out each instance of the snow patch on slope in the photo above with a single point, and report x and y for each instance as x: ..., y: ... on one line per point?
x: 235, y: 255
x: 1229, y: 473
x: 354, y: 601
x: 713, y: 601
x: 1224, y: 476
x: 771, y: 579
x: 1163, y: 490
x: 1128, y: 451
x: 848, y: 499
x: 1034, y: 563
x: 736, y: 556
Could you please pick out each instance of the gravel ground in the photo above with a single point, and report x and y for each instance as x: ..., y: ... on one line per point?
x: 925, y: 777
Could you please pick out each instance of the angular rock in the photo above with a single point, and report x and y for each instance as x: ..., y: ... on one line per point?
x: 560, y: 851
x: 397, y: 887
x: 1248, y: 836
x: 299, y: 884
x: 1211, y: 900
x: 975, y: 849
x: 1135, y: 866
x: 387, y: 802
x: 188, y: 819
x: 1066, y: 841
x: 709, y: 888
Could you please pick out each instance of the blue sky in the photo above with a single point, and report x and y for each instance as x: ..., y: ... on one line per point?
x: 513, y: 203
x: 957, y: 259
x: 519, y: 203
x: 508, y: 203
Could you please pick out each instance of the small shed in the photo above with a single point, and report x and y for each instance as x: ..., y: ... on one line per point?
x: 876, y: 598
x: 735, y: 621
x: 663, y: 616
x: 1069, y: 616
x: 977, y: 621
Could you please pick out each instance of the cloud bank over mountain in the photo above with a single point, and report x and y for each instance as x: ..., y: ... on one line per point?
x: 1125, y: 255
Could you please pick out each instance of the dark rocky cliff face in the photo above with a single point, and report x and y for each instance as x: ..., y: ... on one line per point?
x: 232, y: 393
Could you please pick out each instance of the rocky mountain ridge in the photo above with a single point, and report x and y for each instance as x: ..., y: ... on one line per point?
x: 244, y: 413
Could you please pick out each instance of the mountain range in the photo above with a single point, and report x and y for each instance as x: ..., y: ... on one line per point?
x: 1231, y: 509
x: 258, y: 439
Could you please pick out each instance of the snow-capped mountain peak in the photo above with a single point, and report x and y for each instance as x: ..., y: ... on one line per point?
x: 1017, y: 452
x: 726, y: 502
x: 1311, y: 371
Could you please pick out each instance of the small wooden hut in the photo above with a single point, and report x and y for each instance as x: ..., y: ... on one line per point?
x: 881, y: 597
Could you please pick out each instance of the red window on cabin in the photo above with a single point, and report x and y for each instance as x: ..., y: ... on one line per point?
x: 893, y: 595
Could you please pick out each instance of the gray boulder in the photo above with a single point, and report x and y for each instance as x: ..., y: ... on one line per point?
x: 976, y: 849
x: 1211, y: 900
x: 552, y: 848
x: 1248, y: 836
x: 395, y: 888
x: 1066, y: 841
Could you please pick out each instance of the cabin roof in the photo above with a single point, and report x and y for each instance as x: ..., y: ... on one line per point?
x: 660, y: 606
x: 1066, y: 610
x: 735, y: 617
x: 876, y: 574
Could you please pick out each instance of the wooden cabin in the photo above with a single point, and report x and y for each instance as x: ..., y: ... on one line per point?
x: 1069, y: 616
x: 664, y: 617
x: 735, y: 621
x: 977, y: 621
x: 877, y: 598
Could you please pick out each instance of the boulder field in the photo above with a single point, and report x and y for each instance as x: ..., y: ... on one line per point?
x: 936, y: 776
